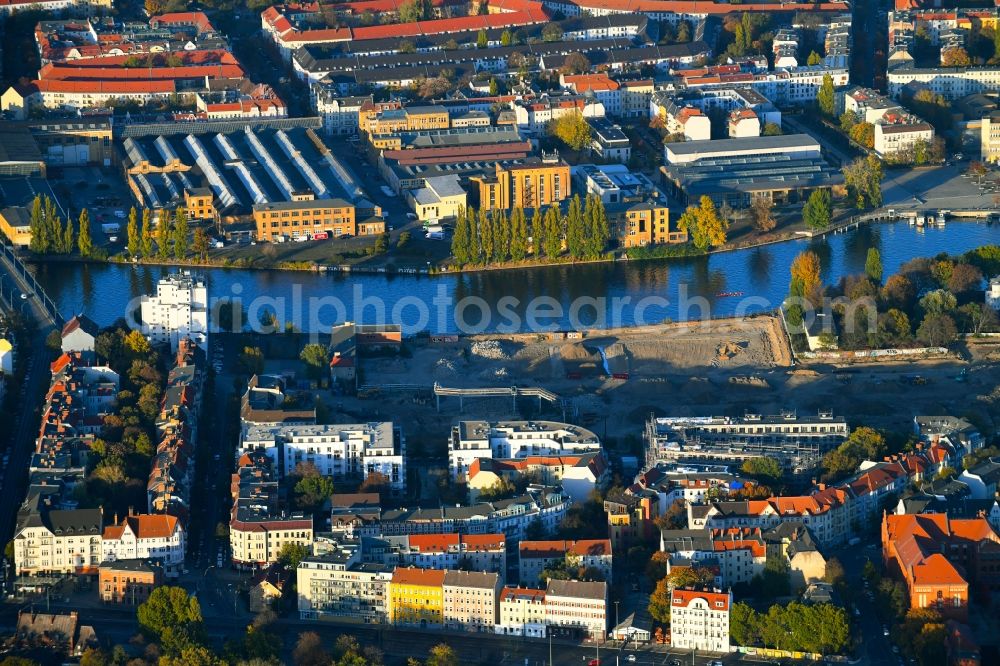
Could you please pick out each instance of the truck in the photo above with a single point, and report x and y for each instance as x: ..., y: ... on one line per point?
x: 321, y: 235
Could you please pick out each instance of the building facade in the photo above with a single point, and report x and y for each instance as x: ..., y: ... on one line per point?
x: 128, y: 582
x: 470, y: 600
x: 576, y: 608
x: 700, y: 620
x: 178, y: 310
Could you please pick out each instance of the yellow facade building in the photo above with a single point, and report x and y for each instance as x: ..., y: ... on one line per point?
x: 308, y: 216
x: 377, y: 121
x: 532, y: 183
x: 416, y: 597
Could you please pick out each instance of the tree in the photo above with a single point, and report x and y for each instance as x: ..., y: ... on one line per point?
x: 834, y: 574
x: 200, y: 244
x: 765, y: 470
x: 180, y: 233
x: 442, y: 654
x: 894, y: 328
x: 134, y: 244
x: 863, y: 134
x: 36, y: 224
x: 873, y: 265
x: 979, y: 318
x: 518, y: 234
x: 683, y: 32
x: 67, y: 241
x: 137, y: 344
x: 575, y: 63
x: 899, y: 292
x: 309, y: 650
x: 825, y: 97
x: 381, y: 244
x: 805, y: 269
x: 693, y: 576
x: 537, y: 231
x: 572, y: 129
x: 704, y: 225
x: 552, y: 32
x: 461, y: 239
x: 146, y: 234
x: 313, y: 490
x: 252, y: 360
x: 291, y: 554
x: 316, y: 359
x: 817, y: 211
x: 169, y: 607
x: 938, y: 302
x: 552, y: 240
x: 848, y: 119
x: 659, y: 602
x: 863, y: 178
x: 415, y: 10
x: 955, y: 56
x: 163, y: 236
x: 506, y: 38
x: 937, y: 330
x: 813, y: 59
x: 574, y: 228
x: 83, y: 240
x: 772, y: 129
x: 597, y: 231
x: 760, y: 208
x: 964, y: 278
x: 482, y: 41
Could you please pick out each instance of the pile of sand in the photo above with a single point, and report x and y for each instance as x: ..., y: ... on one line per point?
x: 729, y: 350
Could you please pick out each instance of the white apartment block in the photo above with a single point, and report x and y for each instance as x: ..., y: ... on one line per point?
x: 951, y: 82
x: 178, y: 310
x: 581, y: 606
x: 339, y: 114
x: 256, y: 538
x: 990, y: 138
x: 868, y: 105
x: 514, y: 439
x: 158, y: 537
x: 333, y: 585
x: 479, y: 552
x: 533, y: 116
x: 338, y: 450
x: 470, y: 600
x: 55, y: 541
x: 522, y: 612
x: 897, y: 133
x: 700, y: 620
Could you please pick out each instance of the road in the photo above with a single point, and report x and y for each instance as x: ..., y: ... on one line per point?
x: 35, y: 383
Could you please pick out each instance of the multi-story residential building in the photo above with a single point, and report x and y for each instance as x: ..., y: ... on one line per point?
x: 522, y: 612
x: 257, y: 536
x: 636, y: 208
x: 902, y: 135
x: 416, y: 597
x: 339, y: 114
x: 128, y: 582
x: 604, y: 89
x: 700, y: 620
x: 579, y: 475
x: 336, y: 584
x: 265, y: 405
x: 56, y: 541
x: 631, y: 517
x: 338, y: 450
x: 515, y: 439
x: 178, y: 310
x: 940, y: 558
x: 536, y: 556
x: 868, y: 105
x: 534, y: 182
x: 635, y: 97
x: 577, y: 608
x: 378, y: 122
x: 743, y: 123
x: 470, y: 600
x: 472, y: 552
x: 608, y: 141
x: 541, y: 506
x: 797, y: 442
x: 739, y: 554
x: 953, y: 431
x: 950, y: 82
x: 533, y: 116
x: 146, y: 537
x: 687, y: 121
x: 305, y: 216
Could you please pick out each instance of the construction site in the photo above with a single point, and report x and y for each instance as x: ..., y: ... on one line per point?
x: 611, y: 381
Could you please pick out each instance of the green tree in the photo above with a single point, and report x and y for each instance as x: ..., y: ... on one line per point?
x: 200, y: 244
x: 817, y: 211
x: 744, y: 625
x: 291, y: 554
x: 482, y: 41
x: 772, y: 129
x: 163, y: 236
x: 704, y: 225
x: 825, y: 97
x: 518, y: 234
x: 83, y: 240
x: 552, y: 241
x: 66, y: 238
x: 575, y: 239
x: 937, y: 330
x: 537, y: 232
x: 873, y: 265
x: 381, y: 244
x: 313, y: 490
x: 146, y: 235
x: 506, y: 38
x: 863, y: 178
x: 442, y: 654
x: 316, y: 359
x: 597, y: 231
x: 309, y: 649
x: 415, y: 10
x: 938, y: 302
x: 765, y: 470
x: 169, y: 607
x: 487, y: 237
x: 39, y: 242
x: 462, y: 237
x: 132, y: 233
x: 814, y: 59
x: 252, y: 360
x: 501, y: 236
x: 180, y: 233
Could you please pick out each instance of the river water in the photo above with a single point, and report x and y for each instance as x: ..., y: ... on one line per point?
x: 557, y: 297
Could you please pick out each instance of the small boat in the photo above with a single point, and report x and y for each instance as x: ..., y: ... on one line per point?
x: 728, y: 294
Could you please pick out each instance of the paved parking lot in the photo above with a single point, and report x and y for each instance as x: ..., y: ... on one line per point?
x: 104, y: 194
x: 938, y: 187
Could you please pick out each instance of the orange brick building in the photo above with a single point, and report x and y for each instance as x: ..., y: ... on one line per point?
x: 128, y: 582
x: 940, y: 559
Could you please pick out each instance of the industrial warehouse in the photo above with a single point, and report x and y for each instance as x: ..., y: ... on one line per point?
x: 237, y: 172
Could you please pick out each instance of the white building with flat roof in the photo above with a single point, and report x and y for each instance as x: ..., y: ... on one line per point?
x: 687, y: 152
x: 353, y: 450
x: 514, y: 439
x: 178, y: 310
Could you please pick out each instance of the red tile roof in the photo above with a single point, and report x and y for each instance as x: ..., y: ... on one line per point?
x: 683, y: 597
x: 414, y: 576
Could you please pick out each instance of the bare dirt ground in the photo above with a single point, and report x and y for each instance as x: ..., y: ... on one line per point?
x: 725, y: 367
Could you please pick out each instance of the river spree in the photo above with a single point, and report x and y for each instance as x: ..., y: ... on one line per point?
x: 558, y: 297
